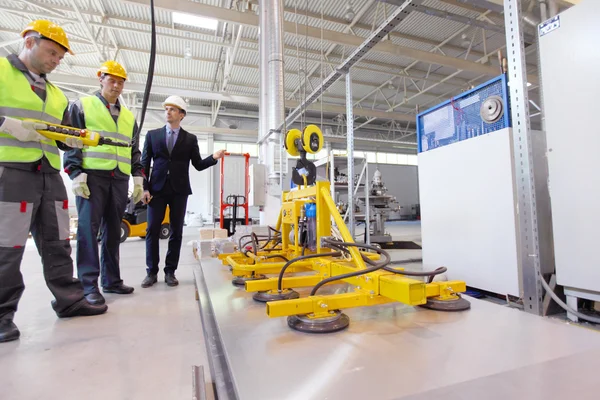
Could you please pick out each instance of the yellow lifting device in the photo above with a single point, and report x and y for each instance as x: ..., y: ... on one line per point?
x: 305, y: 240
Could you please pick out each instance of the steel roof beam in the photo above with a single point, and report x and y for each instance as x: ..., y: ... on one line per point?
x: 365, y: 65
x: 167, y: 91
x: 250, y: 19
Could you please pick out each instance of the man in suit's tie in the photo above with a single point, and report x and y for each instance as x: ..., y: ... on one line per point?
x: 169, y: 150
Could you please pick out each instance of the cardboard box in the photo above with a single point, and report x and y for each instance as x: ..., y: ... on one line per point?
x: 220, y: 234
x: 206, y: 233
x: 203, y: 249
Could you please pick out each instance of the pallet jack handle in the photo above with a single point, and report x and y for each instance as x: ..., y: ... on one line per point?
x: 244, y: 205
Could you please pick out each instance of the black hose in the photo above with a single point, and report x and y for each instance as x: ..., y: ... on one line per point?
x: 430, y: 274
x: 150, y: 76
x: 376, y: 265
x: 285, y: 267
x: 409, y: 261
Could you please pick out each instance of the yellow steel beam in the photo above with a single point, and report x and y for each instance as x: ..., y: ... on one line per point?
x: 264, y: 285
x: 323, y: 304
x: 357, y: 259
x: 268, y: 270
x: 445, y: 289
x: 302, y: 193
x: 403, y: 289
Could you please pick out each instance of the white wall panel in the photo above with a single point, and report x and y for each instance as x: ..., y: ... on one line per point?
x: 468, y: 212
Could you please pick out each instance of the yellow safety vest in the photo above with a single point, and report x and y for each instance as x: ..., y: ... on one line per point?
x: 18, y: 100
x: 99, y: 119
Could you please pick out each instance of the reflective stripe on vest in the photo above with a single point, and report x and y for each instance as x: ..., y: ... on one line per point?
x: 98, y: 119
x: 115, y: 135
x: 27, y: 104
x: 22, y: 114
x: 106, y: 156
x: 10, y: 142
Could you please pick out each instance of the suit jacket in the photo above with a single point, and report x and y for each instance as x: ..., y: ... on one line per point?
x: 176, y: 164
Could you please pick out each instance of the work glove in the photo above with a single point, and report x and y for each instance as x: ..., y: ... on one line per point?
x: 74, y: 142
x: 80, y: 187
x: 138, y: 188
x: 23, y: 130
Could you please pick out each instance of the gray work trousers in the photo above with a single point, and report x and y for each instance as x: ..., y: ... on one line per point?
x: 36, y: 202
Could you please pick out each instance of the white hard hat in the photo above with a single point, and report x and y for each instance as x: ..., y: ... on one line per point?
x: 175, y: 101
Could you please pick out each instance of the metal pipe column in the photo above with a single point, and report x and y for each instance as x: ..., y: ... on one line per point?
x: 350, y: 146
x: 272, y: 103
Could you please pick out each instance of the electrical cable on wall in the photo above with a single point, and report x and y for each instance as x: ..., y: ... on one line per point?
x: 150, y: 68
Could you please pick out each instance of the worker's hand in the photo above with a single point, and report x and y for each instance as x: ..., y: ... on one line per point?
x: 74, y: 142
x: 80, y: 187
x: 23, y: 130
x: 219, y: 154
x: 146, y: 197
x: 138, y: 188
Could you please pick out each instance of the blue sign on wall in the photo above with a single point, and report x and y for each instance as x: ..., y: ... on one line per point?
x: 460, y: 117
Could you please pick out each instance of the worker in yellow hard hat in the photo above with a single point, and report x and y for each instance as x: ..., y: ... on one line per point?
x: 32, y: 193
x: 101, y: 182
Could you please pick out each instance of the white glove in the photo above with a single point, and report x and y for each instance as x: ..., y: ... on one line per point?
x: 23, y: 130
x: 138, y: 188
x: 80, y: 187
x: 74, y: 142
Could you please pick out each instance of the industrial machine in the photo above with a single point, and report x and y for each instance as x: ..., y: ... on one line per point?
x: 381, y: 205
x: 305, y: 240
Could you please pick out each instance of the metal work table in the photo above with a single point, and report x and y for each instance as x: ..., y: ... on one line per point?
x: 393, y: 352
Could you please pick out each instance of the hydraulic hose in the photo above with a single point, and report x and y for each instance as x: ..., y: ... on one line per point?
x: 285, y: 267
x: 558, y: 301
x: 430, y: 274
x: 375, y: 265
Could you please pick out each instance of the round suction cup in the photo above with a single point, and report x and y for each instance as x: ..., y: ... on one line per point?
x: 274, y: 295
x: 336, y: 322
x: 241, y: 280
x: 458, y: 304
x: 312, y: 139
x: 290, y: 142
x: 492, y: 109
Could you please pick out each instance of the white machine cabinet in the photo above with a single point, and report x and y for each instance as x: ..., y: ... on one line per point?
x: 570, y: 63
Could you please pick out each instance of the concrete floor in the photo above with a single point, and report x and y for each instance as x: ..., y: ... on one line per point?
x: 144, y: 347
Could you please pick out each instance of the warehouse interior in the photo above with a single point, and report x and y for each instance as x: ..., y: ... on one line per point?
x: 406, y: 193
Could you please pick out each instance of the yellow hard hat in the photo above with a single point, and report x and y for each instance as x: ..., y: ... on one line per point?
x: 49, y: 30
x: 112, y: 68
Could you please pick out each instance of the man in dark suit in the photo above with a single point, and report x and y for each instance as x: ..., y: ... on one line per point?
x: 170, y: 149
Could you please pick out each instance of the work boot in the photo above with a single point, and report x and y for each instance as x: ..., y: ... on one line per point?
x: 149, y: 280
x: 82, y: 308
x: 8, y: 331
x: 171, y: 280
x: 95, y: 298
x: 118, y: 289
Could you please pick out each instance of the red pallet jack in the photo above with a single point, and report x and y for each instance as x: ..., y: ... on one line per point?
x: 233, y: 200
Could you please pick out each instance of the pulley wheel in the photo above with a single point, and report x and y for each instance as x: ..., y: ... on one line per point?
x: 290, y: 142
x: 274, y: 295
x: 312, y: 139
x: 492, y: 109
x: 458, y: 304
x: 241, y: 280
x: 336, y: 322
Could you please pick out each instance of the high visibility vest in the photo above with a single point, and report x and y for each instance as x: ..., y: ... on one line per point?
x: 17, y: 100
x: 99, y: 119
